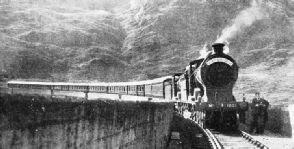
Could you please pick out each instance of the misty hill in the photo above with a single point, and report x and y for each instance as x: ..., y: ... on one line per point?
x: 146, y: 39
x: 163, y: 36
x: 60, y: 41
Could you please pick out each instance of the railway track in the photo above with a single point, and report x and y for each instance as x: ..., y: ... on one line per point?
x: 236, y: 139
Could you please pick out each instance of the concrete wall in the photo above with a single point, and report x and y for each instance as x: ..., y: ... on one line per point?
x: 40, y: 122
x: 280, y: 119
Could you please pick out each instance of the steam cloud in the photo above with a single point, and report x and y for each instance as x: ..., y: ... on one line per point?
x: 205, y: 51
x: 136, y: 3
x: 208, y: 49
x: 244, y: 19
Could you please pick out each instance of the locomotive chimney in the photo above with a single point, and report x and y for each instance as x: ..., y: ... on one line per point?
x: 218, y: 48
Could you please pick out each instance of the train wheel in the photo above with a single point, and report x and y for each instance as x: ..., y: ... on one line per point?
x: 202, y: 120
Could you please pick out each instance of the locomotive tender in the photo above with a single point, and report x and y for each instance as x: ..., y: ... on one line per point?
x: 205, y: 88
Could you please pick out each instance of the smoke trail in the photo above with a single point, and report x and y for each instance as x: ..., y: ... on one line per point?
x: 244, y: 19
x: 205, y: 50
x: 136, y: 3
x: 226, y: 47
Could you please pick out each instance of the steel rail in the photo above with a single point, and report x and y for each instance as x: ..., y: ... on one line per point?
x: 253, y: 141
x: 217, y: 144
x: 212, y: 139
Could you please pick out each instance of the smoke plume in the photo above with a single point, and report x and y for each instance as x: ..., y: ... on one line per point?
x: 244, y: 19
x: 226, y: 47
x: 205, y: 50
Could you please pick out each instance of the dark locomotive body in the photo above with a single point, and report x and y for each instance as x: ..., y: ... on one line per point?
x: 209, y: 84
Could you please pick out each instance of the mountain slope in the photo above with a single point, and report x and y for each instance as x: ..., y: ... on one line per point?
x: 163, y: 36
x: 60, y: 41
x: 144, y: 39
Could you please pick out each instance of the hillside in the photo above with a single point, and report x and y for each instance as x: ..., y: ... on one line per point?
x: 145, y: 39
x: 62, y: 41
x: 163, y: 36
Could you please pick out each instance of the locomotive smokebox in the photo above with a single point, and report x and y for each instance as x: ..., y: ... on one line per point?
x: 218, y: 48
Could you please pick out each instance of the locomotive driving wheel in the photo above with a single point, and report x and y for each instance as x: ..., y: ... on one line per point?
x: 201, y: 120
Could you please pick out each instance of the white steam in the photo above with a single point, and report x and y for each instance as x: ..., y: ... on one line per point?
x: 205, y: 51
x: 226, y: 47
x: 244, y: 19
x: 136, y: 3
x: 133, y: 4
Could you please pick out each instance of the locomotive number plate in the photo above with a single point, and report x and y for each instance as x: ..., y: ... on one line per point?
x: 231, y: 105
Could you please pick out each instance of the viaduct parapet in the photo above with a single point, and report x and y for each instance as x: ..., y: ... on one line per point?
x: 41, y: 122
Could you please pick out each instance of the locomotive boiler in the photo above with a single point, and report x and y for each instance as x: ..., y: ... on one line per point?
x: 207, y: 86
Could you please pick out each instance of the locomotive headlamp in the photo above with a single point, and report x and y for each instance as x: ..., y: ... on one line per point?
x: 218, y: 47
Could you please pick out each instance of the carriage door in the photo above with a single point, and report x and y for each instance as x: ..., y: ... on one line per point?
x: 183, y: 88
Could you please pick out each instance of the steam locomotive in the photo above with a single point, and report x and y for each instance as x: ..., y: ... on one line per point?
x: 205, y: 88
x: 209, y: 83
